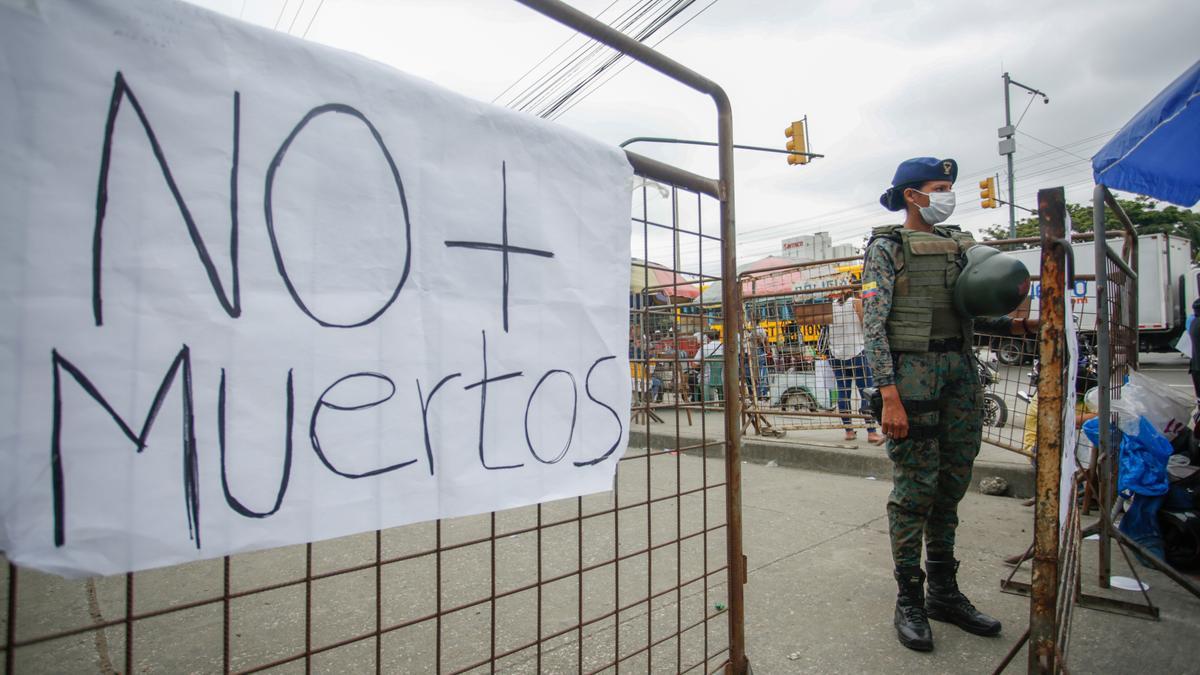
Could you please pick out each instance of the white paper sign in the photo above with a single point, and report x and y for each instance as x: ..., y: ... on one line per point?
x: 259, y: 292
x: 1070, y: 463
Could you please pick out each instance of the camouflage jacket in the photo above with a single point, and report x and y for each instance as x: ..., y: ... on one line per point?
x: 879, y: 278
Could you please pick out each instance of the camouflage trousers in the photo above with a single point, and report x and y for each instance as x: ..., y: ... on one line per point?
x: 932, y: 466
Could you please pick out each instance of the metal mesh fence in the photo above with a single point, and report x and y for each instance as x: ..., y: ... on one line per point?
x: 801, y: 348
x: 632, y: 579
x: 804, y: 367
x: 1120, y: 352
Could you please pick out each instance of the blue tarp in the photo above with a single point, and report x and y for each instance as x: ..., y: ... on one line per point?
x: 1157, y: 153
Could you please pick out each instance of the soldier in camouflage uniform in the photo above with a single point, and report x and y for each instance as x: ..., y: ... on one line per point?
x: 919, y: 349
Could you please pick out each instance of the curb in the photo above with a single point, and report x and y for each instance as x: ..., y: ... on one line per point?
x: 845, y: 461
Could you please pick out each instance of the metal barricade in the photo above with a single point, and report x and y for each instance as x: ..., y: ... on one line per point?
x: 645, y: 578
x: 801, y: 348
x: 804, y: 367
x: 1104, y: 357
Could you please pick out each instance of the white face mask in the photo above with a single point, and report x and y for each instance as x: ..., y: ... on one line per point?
x: 941, y: 205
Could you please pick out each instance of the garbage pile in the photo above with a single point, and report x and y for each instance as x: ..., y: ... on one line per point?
x: 1159, y: 468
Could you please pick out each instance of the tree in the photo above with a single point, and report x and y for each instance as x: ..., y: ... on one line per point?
x: 1143, y: 212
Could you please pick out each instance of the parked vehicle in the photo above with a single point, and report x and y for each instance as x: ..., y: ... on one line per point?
x: 995, y: 412
x: 1167, y: 285
x: 800, y: 390
x: 810, y: 390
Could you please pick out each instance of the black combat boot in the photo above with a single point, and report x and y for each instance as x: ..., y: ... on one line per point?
x: 912, y: 626
x: 947, y: 603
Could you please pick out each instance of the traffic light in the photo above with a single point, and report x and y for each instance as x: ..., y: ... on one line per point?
x: 987, y: 193
x: 797, y: 141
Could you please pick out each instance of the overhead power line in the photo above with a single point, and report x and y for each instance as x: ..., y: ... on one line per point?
x: 571, y: 88
x: 280, y: 17
x: 589, y: 66
x: 628, y: 63
x: 547, y: 56
x: 565, y: 77
x: 586, y: 51
x: 313, y: 18
x: 296, y: 16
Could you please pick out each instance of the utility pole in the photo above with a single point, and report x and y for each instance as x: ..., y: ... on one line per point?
x: 1008, y: 147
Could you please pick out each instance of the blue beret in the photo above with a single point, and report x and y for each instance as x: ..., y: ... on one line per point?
x: 913, y: 172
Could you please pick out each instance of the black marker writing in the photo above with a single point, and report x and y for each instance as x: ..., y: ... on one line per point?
x: 322, y: 403
x: 121, y: 91
x: 233, y: 502
x: 587, y: 387
x: 483, y: 390
x: 503, y: 247
x: 425, y: 403
x: 270, y: 217
x: 191, y: 472
x: 574, y: 413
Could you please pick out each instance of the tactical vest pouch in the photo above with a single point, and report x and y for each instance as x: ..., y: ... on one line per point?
x: 949, y: 247
x: 908, y: 325
x: 922, y: 305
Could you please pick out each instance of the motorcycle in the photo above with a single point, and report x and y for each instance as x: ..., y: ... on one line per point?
x: 1086, y: 373
x: 995, y: 412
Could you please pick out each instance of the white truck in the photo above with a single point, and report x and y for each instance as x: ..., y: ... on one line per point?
x: 1167, y: 285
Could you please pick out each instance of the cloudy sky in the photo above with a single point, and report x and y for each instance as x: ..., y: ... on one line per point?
x: 880, y: 81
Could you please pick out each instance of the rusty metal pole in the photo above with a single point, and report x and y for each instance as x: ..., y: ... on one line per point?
x: 1051, y: 399
x: 731, y: 307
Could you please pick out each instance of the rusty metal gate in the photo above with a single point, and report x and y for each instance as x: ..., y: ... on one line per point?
x: 645, y: 578
x: 1056, y: 587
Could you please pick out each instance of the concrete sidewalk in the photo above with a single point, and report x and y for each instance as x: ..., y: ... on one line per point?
x: 816, y: 449
x: 820, y: 593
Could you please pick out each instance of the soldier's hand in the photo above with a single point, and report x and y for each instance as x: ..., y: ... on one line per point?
x: 895, y: 419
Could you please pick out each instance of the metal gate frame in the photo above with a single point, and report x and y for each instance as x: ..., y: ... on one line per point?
x: 124, y: 628
x: 723, y: 190
x: 1055, y: 588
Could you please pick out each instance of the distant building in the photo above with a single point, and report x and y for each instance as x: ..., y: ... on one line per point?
x: 846, y: 251
x: 816, y: 246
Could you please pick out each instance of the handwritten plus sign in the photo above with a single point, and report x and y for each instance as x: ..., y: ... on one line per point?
x: 503, y: 247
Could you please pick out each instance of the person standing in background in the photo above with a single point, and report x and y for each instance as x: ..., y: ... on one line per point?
x: 756, y: 342
x: 846, y: 357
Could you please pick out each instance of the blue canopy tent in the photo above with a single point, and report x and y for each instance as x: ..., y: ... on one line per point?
x: 1157, y: 153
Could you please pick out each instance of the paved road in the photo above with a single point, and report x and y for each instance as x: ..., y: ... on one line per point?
x: 1170, y: 369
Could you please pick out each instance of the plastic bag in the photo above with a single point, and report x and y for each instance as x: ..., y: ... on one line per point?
x: 1140, y: 523
x: 1091, y: 429
x: 1167, y: 410
x: 1143, y: 468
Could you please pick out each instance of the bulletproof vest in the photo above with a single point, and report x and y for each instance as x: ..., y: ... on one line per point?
x: 923, y: 298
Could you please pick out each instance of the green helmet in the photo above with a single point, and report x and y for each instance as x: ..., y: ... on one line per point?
x: 991, y: 283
